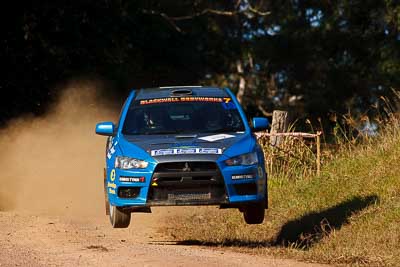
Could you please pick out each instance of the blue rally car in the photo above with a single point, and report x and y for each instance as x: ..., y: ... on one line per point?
x: 183, y: 146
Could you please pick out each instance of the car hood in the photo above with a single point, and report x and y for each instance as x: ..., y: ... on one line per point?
x: 219, y: 145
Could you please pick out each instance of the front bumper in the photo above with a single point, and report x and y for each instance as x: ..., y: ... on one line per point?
x: 205, y: 183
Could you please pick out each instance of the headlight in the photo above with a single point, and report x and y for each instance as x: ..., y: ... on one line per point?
x: 245, y: 159
x: 130, y: 163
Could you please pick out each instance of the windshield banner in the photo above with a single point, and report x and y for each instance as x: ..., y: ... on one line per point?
x: 185, y: 99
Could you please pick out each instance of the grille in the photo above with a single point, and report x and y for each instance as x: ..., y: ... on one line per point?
x: 180, y: 166
x: 190, y: 196
x: 181, y: 171
x: 183, y: 183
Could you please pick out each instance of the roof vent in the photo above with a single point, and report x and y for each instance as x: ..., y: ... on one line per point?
x: 182, y: 92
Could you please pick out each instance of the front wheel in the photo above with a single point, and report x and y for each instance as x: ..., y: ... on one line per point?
x: 254, y: 213
x: 119, y: 218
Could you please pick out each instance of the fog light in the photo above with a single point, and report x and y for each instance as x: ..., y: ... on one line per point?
x: 128, y: 192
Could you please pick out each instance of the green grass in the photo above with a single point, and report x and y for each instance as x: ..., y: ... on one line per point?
x: 349, y: 215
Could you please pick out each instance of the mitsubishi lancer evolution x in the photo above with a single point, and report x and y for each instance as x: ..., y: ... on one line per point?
x: 187, y: 145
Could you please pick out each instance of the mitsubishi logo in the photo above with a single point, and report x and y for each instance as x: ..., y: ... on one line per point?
x: 186, y: 168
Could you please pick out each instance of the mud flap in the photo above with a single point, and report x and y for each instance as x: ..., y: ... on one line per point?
x: 105, y: 193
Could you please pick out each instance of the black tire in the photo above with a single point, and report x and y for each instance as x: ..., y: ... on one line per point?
x: 254, y: 213
x: 119, y: 218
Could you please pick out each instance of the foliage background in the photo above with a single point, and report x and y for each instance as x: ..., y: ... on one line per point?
x: 314, y: 58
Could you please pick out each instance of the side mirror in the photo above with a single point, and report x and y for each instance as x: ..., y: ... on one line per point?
x: 105, y: 128
x: 260, y: 124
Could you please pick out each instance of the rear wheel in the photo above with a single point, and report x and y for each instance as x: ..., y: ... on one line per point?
x: 119, y: 218
x: 254, y: 213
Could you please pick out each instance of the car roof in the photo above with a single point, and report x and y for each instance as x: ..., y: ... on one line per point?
x: 161, y: 92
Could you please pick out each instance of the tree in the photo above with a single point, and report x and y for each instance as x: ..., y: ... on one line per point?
x: 307, y: 56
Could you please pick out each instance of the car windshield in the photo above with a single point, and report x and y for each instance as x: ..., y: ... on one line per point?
x: 182, y: 115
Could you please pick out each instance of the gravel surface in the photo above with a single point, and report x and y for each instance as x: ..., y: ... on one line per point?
x: 43, y: 240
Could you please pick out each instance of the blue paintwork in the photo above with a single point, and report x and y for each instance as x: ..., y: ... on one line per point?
x: 137, y: 147
x: 105, y: 128
x: 260, y: 123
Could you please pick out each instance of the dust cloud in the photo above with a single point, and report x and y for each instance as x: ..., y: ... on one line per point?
x: 54, y: 164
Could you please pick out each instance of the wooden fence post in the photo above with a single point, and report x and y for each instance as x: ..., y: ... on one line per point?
x: 318, y: 153
x: 279, y: 125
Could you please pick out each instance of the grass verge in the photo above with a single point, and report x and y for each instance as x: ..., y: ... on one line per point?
x: 349, y: 215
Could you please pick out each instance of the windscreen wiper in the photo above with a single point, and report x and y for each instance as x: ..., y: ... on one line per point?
x: 162, y: 132
x: 182, y: 136
x: 224, y: 130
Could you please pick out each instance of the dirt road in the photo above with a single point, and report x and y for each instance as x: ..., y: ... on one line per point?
x: 41, y: 240
x: 51, y: 188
